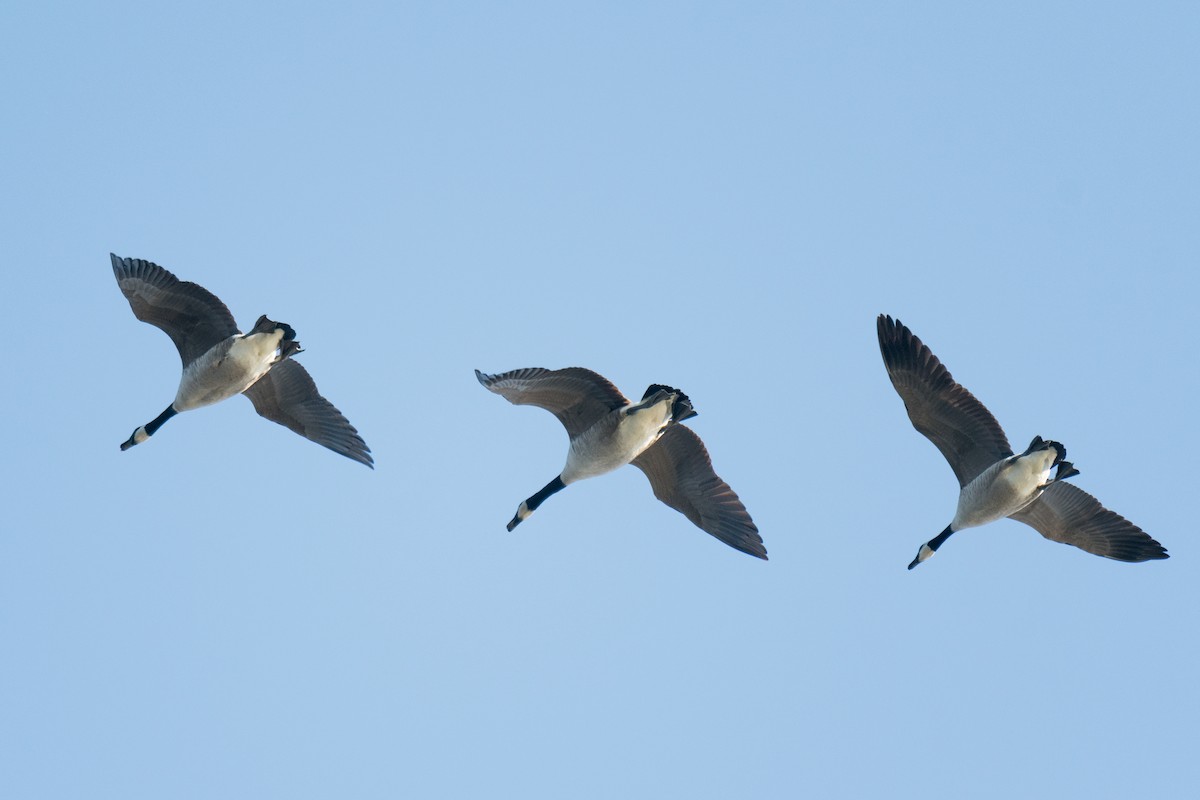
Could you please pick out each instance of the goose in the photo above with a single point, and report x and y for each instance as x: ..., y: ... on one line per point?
x: 994, y: 482
x: 607, y: 431
x: 220, y: 361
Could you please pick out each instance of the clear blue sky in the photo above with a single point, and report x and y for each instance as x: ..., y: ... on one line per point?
x: 719, y: 197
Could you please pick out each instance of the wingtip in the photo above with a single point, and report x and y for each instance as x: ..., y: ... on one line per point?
x: 356, y: 450
x: 891, y: 334
x: 756, y: 546
x: 891, y: 329
x: 749, y: 542
x: 359, y: 453
x: 1156, y: 551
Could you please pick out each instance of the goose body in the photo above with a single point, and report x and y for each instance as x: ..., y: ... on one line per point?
x: 219, y: 361
x: 620, y: 436
x: 228, y: 368
x: 607, y: 431
x: 994, y: 482
x: 1006, y: 486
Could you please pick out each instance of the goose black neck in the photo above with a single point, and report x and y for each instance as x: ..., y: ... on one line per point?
x: 158, y: 421
x: 940, y: 539
x: 550, y: 488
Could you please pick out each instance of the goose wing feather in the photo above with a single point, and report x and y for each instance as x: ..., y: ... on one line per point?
x: 577, y: 397
x: 190, y: 314
x: 288, y: 395
x: 1065, y: 513
x: 959, y: 426
x: 681, y: 475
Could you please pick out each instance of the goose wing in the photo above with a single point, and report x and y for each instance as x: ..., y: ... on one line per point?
x: 958, y: 425
x: 288, y: 395
x: 577, y: 396
x: 190, y: 314
x: 681, y: 475
x: 1065, y: 513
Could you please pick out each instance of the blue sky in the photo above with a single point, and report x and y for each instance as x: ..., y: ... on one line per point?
x: 713, y: 196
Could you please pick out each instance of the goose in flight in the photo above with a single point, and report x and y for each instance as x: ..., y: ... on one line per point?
x: 220, y: 361
x: 996, y: 483
x: 607, y: 431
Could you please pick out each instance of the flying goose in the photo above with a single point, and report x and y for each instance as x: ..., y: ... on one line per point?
x: 220, y: 361
x: 607, y: 431
x: 994, y: 482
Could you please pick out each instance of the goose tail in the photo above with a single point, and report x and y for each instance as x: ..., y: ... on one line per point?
x: 681, y: 409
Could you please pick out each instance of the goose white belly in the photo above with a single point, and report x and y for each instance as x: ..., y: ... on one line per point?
x: 228, y: 368
x: 615, y: 441
x: 1003, y: 489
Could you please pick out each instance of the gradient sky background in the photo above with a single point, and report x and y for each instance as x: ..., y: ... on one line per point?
x: 720, y: 197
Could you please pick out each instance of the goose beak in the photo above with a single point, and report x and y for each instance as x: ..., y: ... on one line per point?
x: 522, y: 514
x: 924, y: 553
